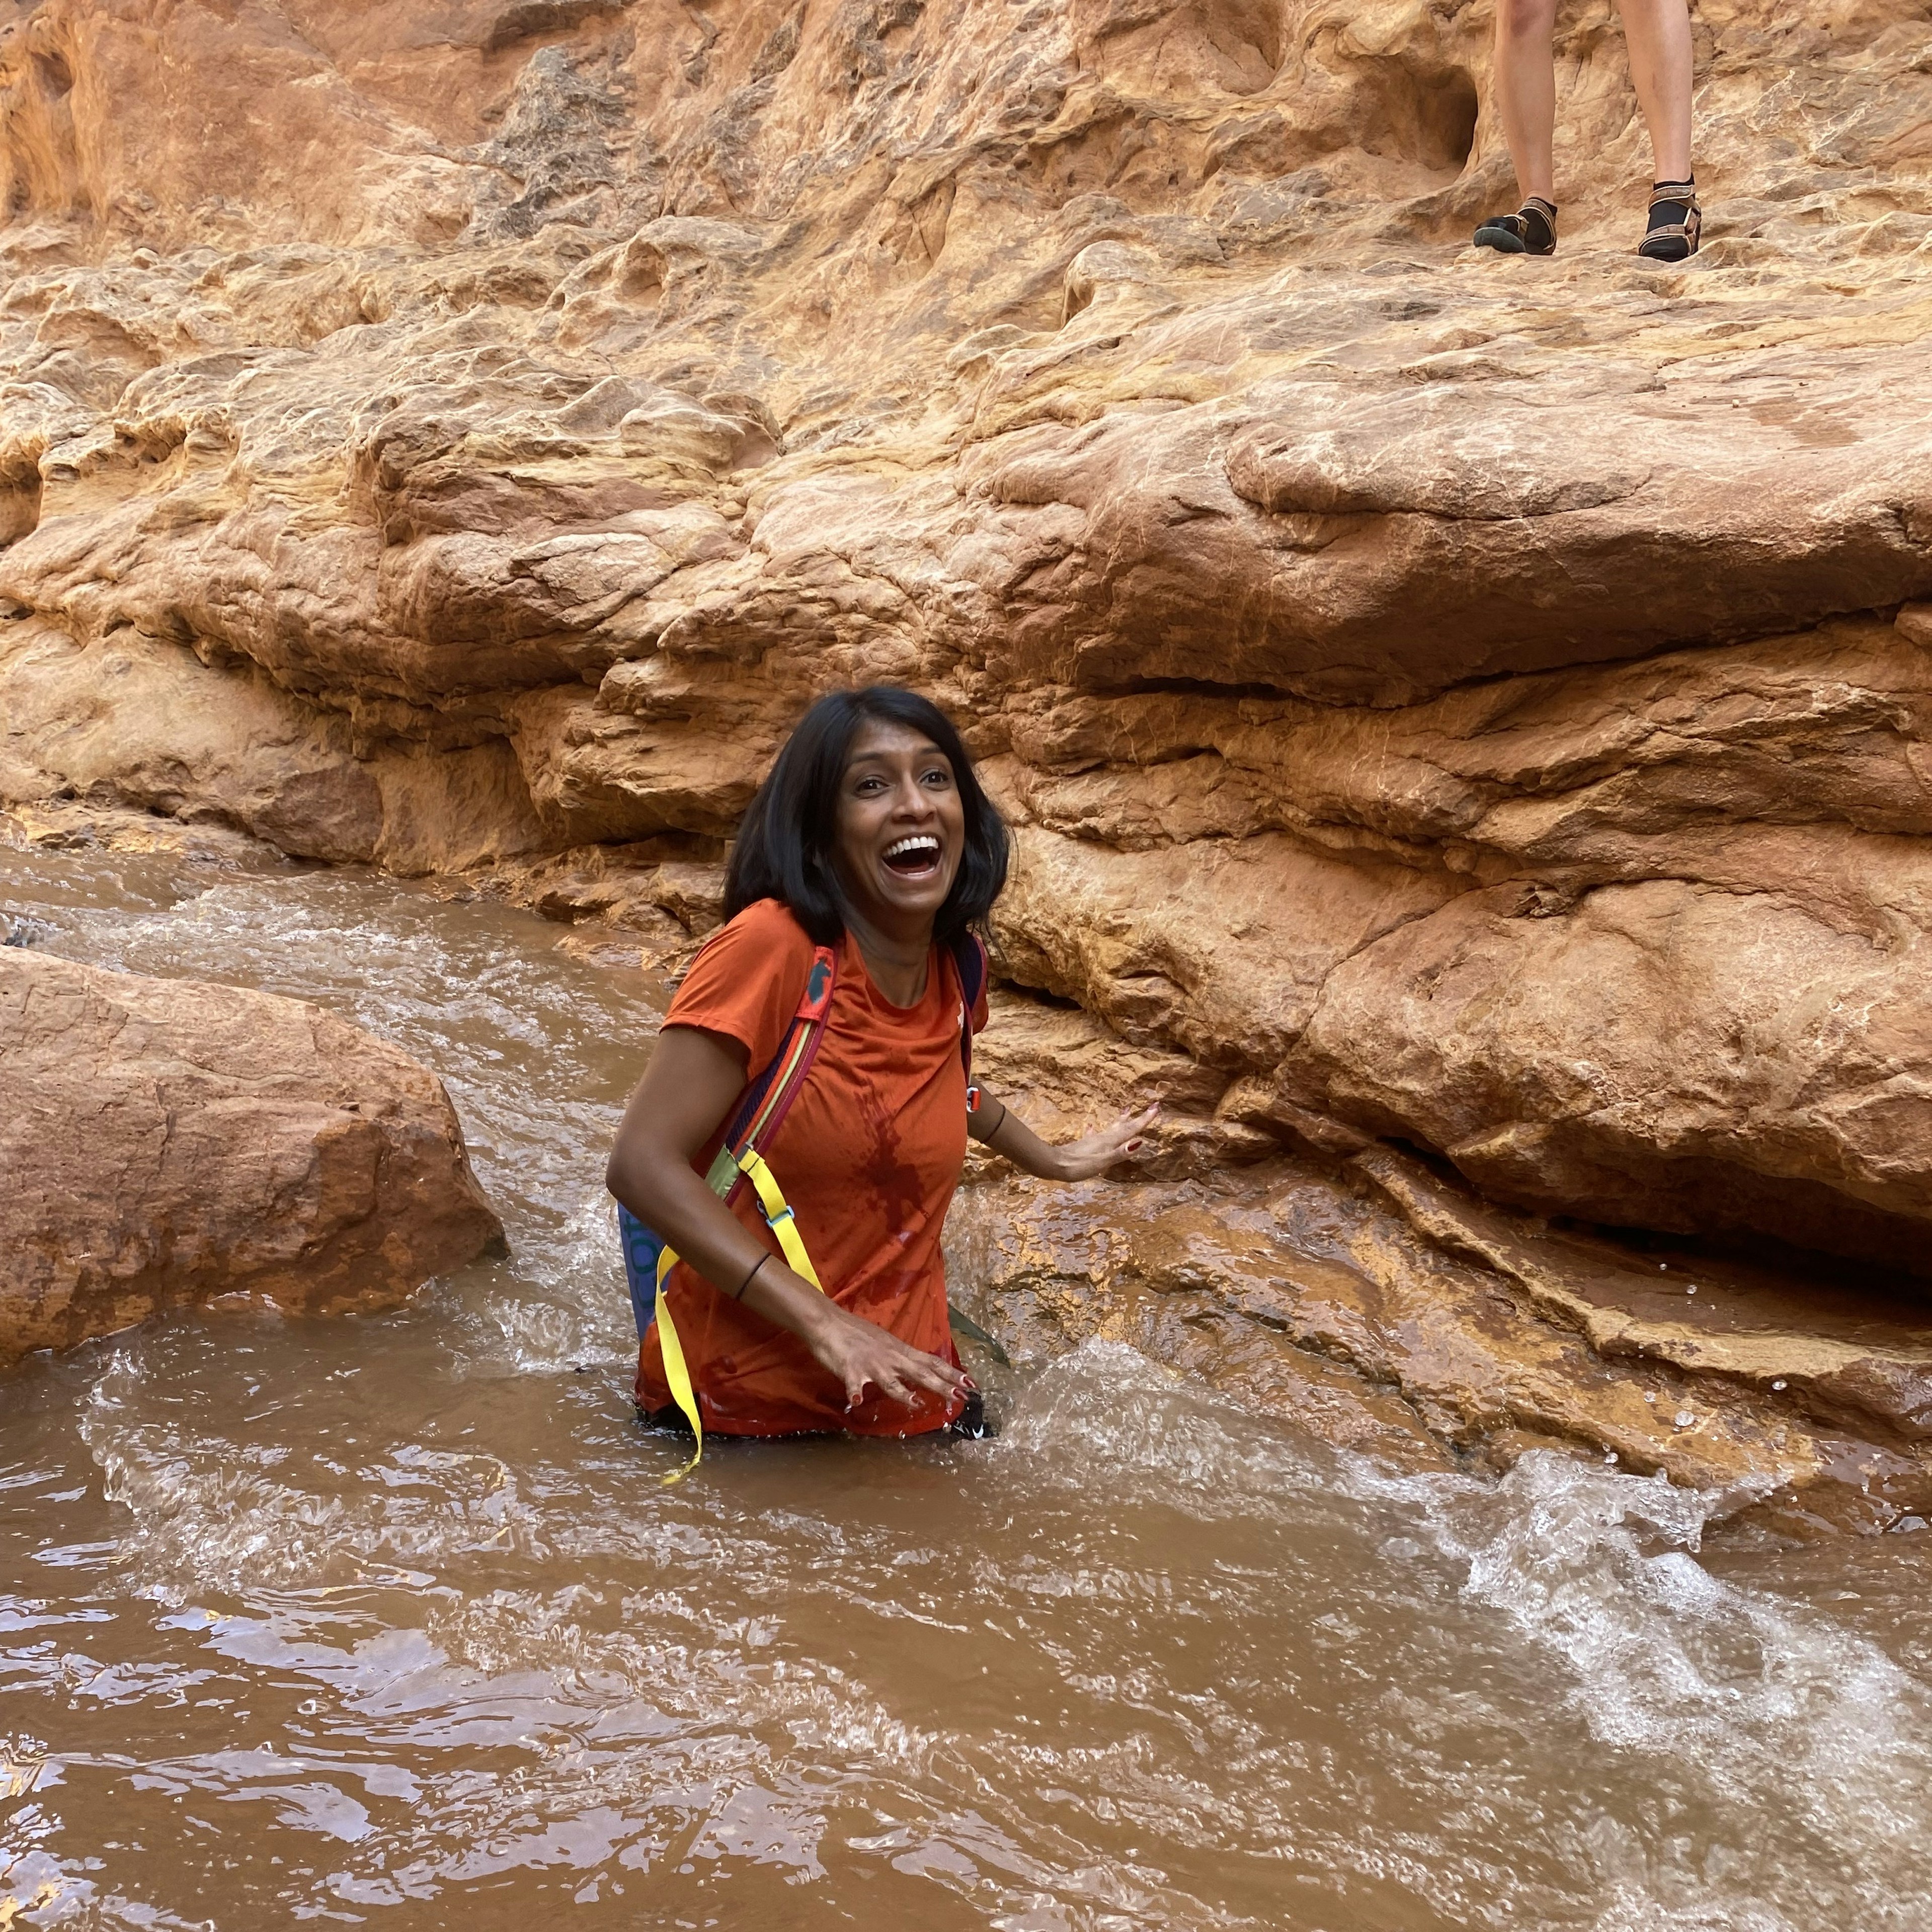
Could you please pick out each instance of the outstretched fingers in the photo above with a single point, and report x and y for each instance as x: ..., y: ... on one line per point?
x: 1128, y: 1132
x: 1082, y: 1160
x: 871, y: 1357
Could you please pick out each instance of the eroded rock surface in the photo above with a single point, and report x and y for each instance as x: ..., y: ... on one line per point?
x: 167, y: 1142
x: 1471, y: 704
x: 1361, y: 1292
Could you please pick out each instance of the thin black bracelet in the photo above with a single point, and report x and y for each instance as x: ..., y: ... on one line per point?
x: 747, y: 1281
x: 986, y: 1139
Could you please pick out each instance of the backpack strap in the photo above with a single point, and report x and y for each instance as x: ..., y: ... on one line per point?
x: 759, y: 1115
x: 765, y: 1102
x: 969, y: 961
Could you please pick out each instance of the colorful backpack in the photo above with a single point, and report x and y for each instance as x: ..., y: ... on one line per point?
x: 760, y: 1112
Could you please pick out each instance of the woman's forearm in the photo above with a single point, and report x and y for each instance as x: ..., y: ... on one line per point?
x: 669, y: 1197
x: 997, y: 1127
x: 1005, y: 1133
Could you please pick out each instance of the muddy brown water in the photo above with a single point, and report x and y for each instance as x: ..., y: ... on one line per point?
x: 387, y: 1622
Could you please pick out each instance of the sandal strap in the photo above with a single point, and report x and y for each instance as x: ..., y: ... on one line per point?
x: 1672, y: 192
x: 1518, y: 224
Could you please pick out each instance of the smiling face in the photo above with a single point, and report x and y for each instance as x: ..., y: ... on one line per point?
x: 901, y: 828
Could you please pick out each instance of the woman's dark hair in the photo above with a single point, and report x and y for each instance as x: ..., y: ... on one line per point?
x: 785, y: 841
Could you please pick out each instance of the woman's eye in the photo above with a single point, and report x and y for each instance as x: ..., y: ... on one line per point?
x: 939, y: 776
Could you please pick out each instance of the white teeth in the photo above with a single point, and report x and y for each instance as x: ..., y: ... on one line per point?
x: 920, y: 841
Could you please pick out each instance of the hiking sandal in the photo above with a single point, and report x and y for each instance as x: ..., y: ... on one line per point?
x: 1531, y: 230
x: 1676, y: 224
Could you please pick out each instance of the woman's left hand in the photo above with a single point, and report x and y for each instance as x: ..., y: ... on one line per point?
x: 1080, y: 1160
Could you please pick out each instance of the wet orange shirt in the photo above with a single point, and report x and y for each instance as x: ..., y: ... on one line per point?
x: 868, y: 1157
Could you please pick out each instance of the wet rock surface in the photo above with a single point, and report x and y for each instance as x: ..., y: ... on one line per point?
x: 1368, y: 1295
x: 1447, y: 704
x: 168, y: 1142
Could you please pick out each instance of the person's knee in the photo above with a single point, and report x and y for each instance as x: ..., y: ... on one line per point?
x: 1526, y: 20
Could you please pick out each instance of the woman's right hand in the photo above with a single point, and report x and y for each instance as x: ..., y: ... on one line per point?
x: 862, y: 1355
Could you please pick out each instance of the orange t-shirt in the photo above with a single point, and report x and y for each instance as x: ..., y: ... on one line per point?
x: 867, y: 1156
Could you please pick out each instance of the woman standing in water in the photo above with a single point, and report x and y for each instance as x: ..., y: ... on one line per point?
x: 871, y: 837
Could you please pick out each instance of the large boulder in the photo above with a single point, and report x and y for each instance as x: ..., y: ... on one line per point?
x: 166, y: 1142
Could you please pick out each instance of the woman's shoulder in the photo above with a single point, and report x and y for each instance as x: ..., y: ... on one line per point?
x: 763, y: 941
x: 747, y: 978
x: 766, y: 926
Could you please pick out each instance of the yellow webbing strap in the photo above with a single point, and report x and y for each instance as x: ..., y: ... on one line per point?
x: 781, y: 1221
x: 779, y: 1216
x: 677, y: 1376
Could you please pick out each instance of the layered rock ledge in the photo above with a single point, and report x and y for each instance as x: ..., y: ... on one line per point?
x: 167, y: 1143
x: 1453, y: 708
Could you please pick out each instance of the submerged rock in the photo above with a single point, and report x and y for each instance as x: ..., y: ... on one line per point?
x: 166, y: 1142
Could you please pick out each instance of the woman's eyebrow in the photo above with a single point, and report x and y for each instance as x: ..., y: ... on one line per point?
x: 862, y: 758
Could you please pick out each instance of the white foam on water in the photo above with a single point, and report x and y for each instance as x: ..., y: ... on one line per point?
x: 207, y: 1517
x: 1796, y: 1755
x: 1809, y: 1747
x: 1631, y: 1912
x: 1105, y: 1412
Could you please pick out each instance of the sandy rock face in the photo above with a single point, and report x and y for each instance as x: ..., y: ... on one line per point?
x: 1474, y: 703
x: 167, y: 1142
x: 1671, y: 1055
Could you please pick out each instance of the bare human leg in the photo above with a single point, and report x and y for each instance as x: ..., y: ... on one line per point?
x: 1657, y: 35
x: 1525, y: 93
x: 1526, y: 88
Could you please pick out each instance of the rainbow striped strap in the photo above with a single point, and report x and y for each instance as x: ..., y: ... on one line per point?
x: 739, y: 1159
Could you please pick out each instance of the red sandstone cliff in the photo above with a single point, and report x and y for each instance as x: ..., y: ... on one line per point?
x: 1472, y: 703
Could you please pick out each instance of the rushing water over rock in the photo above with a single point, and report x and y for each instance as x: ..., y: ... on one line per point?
x: 388, y: 1620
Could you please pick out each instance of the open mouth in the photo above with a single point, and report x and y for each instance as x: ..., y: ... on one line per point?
x: 914, y: 858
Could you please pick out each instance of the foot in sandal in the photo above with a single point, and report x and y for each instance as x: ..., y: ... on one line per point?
x: 1531, y: 230
x: 1676, y: 222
